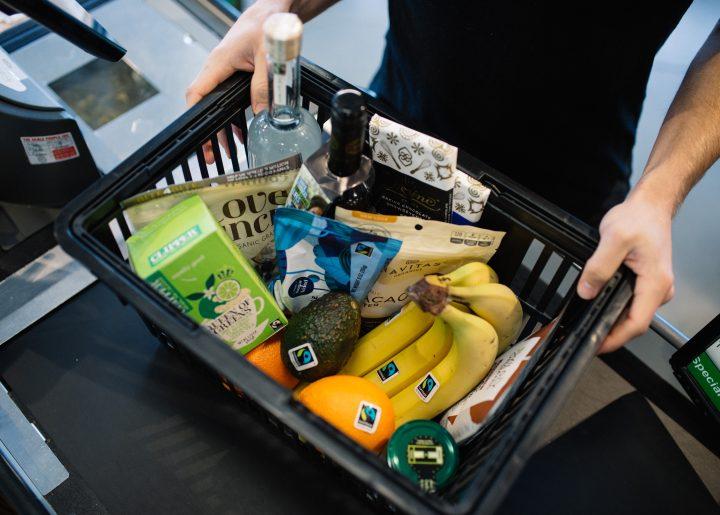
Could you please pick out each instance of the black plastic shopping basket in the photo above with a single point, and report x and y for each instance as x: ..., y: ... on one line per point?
x: 540, y: 258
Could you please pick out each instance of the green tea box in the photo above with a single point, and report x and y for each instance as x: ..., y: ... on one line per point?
x: 187, y: 257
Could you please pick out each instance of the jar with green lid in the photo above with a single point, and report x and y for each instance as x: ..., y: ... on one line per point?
x: 424, y: 452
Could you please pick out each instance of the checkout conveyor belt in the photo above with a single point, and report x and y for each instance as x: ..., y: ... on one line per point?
x: 141, y: 431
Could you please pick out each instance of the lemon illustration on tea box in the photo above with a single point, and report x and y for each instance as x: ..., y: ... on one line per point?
x: 187, y: 257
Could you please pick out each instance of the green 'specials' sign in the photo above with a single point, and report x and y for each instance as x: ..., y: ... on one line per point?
x: 707, y: 374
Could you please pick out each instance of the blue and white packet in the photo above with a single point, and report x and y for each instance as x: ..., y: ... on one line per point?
x: 316, y: 255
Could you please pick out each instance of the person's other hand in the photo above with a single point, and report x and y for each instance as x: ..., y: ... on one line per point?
x: 241, y: 49
x: 638, y: 234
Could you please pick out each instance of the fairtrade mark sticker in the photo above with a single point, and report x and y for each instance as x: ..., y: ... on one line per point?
x: 388, y: 372
x: 368, y: 417
x: 303, y: 357
x: 427, y: 387
x: 365, y: 250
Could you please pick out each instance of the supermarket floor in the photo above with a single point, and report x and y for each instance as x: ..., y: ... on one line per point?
x: 361, y: 24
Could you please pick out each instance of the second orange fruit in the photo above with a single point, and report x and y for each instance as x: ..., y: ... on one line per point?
x: 266, y: 357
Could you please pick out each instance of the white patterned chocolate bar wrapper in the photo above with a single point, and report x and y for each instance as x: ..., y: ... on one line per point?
x: 413, y: 153
x: 469, y: 197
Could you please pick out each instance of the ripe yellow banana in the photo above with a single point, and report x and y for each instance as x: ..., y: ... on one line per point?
x: 470, y: 274
x: 497, y: 304
x: 473, y: 351
x: 461, y: 307
x: 387, y: 339
x: 413, y: 361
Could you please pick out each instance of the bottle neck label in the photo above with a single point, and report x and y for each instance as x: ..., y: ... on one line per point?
x: 284, y: 91
x: 282, y: 81
x: 346, y: 145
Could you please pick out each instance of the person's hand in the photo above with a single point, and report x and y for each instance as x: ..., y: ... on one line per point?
x: 241, y: 49
x: 638, y: 234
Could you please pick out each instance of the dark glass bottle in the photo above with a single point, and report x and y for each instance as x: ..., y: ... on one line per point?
x: 338, y: 174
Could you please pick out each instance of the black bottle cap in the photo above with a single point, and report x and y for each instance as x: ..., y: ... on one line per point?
x: 348, y: 105
x: 349, y: 118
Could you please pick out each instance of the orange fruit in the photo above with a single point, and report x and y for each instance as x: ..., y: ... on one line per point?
x: 353, y: 405
x: 266, y: 357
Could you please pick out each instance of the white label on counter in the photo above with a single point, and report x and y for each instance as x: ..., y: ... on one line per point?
x: 52, y: 148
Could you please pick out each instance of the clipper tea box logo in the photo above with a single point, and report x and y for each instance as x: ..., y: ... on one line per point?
x: 388, y: 371
x: 427, y: 387
x: 368, y: 417
x: 303, y: 357
x: 171, y: 248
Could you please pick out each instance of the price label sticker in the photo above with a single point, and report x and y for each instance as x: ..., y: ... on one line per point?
x: 52, y: 148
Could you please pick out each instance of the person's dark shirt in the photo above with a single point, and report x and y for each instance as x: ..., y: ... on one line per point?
x: 549, y: 94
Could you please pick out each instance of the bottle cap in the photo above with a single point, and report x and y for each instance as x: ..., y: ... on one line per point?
x: 424, y: 452
x: 349, y: 118
x: 283, y: 33
x: 348, y: 105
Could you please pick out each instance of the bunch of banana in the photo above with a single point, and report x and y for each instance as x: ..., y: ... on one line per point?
x: 401, y: 353
x: 476, y: 284
x: 427, y: 363
x: 494, y: 302
x: 470, y: 274
x: 470, y: 357
x: 414, y: 360
x: 387, y: 339
x: 395, y: 334
x: 440, y: 367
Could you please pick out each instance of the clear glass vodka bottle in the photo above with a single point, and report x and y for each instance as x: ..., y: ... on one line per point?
x: 285, y: 128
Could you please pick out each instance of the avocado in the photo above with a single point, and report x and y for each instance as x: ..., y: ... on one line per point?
x: 319, y: 339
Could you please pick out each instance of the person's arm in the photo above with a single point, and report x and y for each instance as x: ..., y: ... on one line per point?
x: 242, y: 49
x: 637, y: 232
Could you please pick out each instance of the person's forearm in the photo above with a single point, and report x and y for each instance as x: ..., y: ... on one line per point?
x: 305, y: 9
x: 689, y: 140
x: 638, y: 231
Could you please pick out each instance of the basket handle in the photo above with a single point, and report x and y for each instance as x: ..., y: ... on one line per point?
x: 610, y: 302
